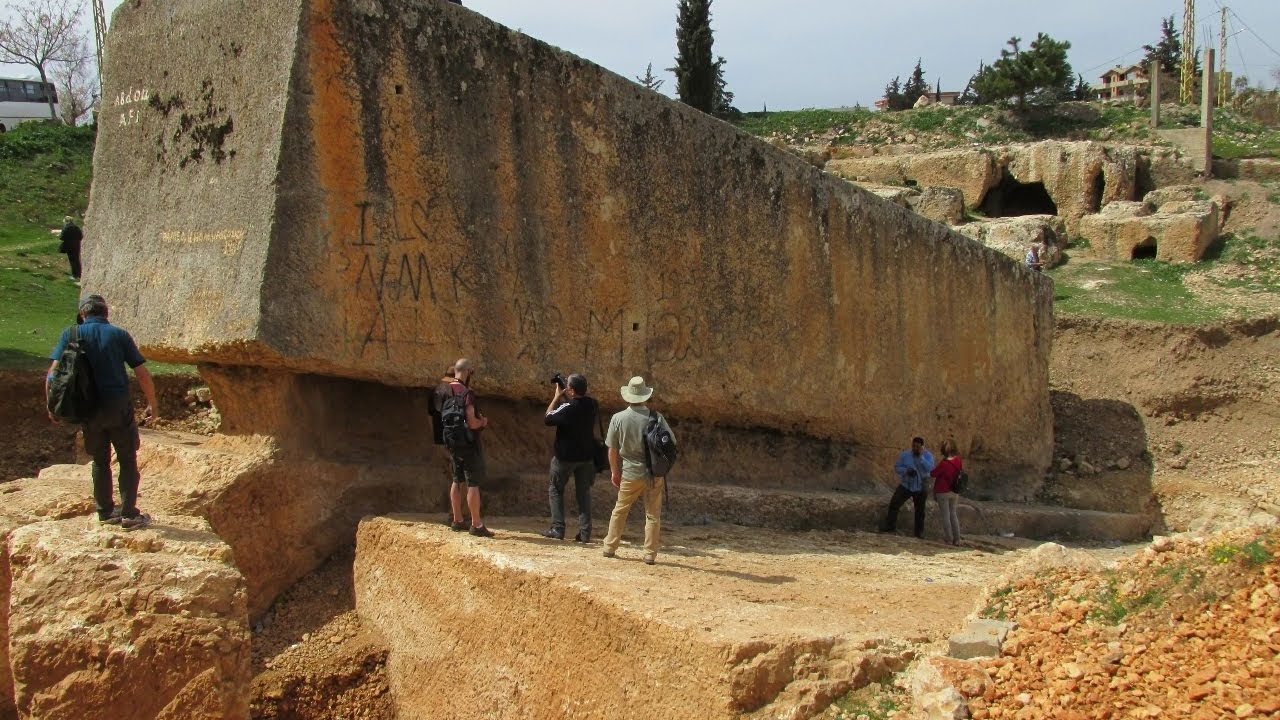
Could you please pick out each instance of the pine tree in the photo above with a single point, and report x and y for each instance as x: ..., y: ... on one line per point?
x: 915, y: 87
x: 1039, y: 75
x: 695, y: 70
x: 649, y: 80
x: 1168, y: 50
x: 893, y: 95
x: 723, y: 104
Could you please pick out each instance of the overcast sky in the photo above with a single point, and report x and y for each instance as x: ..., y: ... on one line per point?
x: 832, y: 53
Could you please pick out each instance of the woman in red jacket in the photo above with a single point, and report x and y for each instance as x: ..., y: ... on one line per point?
x: 944, y: 477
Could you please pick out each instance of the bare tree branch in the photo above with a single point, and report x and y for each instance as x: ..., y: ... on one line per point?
x: 77, y: 84
x: 42, y: 32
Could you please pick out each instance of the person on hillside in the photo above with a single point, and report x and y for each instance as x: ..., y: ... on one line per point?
x: 70, y: 238
x: 629, y: 472
x: 468, y: 461
x: 944, y: 477
x: 573, y: 414
x: 109, y: 349
x: 913, y: 467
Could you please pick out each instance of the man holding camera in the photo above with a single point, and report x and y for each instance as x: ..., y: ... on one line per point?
x: 913, y: 468
x: 573, y: 414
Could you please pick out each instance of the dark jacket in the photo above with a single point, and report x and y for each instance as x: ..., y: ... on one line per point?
x: 70, y: 237
x: 573, y: 421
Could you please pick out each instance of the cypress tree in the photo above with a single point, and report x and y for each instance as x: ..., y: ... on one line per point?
x: 695, y: 69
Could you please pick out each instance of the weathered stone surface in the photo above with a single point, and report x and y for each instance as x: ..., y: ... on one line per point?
x: 1080, y: 177
x: 1180, y: 231
x: 974, y: 172
x: 940, y: 204
x: 933, y: 697
x: 369, y: 191
x: 107, y: 624
x: 979, y: 638
x: 1160, y: 196
x: 436, y: 597
x: 1013, y: 236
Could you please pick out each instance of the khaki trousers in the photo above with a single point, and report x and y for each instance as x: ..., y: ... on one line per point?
x: 628, y: 493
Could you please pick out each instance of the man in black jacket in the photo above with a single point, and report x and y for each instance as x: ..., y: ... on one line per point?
x: 573, y: 414
x: 70, y: 237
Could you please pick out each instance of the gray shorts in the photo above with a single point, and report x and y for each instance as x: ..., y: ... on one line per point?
x: 468, y: 467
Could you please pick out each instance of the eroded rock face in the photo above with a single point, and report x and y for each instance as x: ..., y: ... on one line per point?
x: 1180, y: 231
x: 1080, y: 177
x: 973, y: 172
x: 107, y: 624
x: 410, y: 182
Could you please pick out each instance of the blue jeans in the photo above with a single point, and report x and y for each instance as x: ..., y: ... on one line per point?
x: 583, y: 473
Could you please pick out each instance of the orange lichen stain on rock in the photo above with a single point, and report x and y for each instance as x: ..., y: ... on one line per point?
x: 336, y: 126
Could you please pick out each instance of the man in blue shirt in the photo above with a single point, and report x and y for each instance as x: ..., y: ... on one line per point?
x: 913, y: 468
x: 108, y: 349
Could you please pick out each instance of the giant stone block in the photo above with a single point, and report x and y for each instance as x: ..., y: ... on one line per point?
x: 371, y: 189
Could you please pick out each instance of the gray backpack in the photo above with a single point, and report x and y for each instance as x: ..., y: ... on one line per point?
x: 659, y: 447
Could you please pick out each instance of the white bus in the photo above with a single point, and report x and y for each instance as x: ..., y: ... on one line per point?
x: 23, y: 100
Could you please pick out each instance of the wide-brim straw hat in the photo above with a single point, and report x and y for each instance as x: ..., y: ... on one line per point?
x: 636, y: 391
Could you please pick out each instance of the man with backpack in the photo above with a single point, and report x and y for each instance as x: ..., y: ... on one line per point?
x: 631, y: 474
x: 461, y: 425
x: 573, y: 414
x: 108, y: 348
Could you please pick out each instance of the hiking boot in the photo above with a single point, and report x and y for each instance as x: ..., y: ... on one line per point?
x: 608, y: 554
x: 460, y: 526
x: 650, y: 559
x: 136, y: 522
x: 112, y: 519
x: 553, y: 534
x: 481, y: 531
x: 582, y: 537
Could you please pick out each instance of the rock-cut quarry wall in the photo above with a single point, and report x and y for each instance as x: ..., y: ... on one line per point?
x: 368, y: 190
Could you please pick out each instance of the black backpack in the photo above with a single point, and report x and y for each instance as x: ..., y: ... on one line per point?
x: 453, y: 422
x: 659, y: 447
x: 960, y: 485
x: 73, y: 395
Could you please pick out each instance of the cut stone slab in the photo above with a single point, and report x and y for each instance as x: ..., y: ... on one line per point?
x: 729, y: 621
x: 979, y: 638
x: 1014, y: 236
x: 1180, y: 231
x: 973, y: 172
x: 126, y: 625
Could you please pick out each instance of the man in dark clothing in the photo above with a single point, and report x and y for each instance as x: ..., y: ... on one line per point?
x: 912, y: 468
x: 70, y: 245
x: 573, y: 414
x: 109, y: 348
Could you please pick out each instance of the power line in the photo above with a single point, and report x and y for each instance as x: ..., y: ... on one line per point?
x: 1256, y: 35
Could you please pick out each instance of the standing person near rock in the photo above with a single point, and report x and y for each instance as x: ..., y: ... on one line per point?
x: 913, y: 467
x: 438, y: 395
x: 944, y: 478
x: 109, y: 348
x: 1034, y: 257
x: 573, y: 414
x: 70, y: 238
x: 462, y: 425
x: 630, y: 473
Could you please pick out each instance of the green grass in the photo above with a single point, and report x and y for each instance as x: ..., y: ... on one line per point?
x: 803, y: 122
x: 1140, y: 290
x: 873, y: 702
x: 1251, y: 555
x: 1236, y: 135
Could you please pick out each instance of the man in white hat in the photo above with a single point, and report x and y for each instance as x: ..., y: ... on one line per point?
x: 630, y: 474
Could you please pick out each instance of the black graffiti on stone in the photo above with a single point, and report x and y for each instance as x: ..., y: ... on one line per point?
x: 672, y: 335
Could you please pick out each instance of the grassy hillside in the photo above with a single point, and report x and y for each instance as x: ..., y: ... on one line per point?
x: 44, y: 175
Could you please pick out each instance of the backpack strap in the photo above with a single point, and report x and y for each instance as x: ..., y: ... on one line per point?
x: 599, y: 420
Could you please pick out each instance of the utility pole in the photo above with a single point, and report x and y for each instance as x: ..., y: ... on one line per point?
x: 1188, y: 68
x: 99, y: 33
x: 1224, y: 90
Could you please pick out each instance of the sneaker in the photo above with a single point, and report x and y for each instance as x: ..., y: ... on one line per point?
x: 460, y: 526
x: 113, y: 519
x: 140, y: 520
x: 553, y: 534
x: 650, y: 559
x: 608, y: 554
x: 481, y: 531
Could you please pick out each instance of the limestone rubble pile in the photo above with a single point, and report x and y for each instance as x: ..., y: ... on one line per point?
x: 1188, y: 628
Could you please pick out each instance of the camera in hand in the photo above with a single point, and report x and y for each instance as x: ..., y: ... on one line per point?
x: 558, y: 379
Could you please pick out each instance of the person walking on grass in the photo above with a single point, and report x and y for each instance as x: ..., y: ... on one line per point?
x: 69, y: 245
x: 109, y: 349
x: 944, y: 478
x: 913, y: 468
x: 629, y: 471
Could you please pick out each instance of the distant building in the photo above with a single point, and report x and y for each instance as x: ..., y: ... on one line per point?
x: 948, y: 97
x: 1123, y: 82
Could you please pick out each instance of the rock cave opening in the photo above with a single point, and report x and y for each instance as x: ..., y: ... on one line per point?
x: 1012, y: 199
x: 1145, y: 250
x: 1099, y: 189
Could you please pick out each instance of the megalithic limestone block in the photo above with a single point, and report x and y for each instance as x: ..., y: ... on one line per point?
x: 371, y: 189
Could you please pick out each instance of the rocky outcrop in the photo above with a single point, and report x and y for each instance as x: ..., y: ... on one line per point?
x: 1080, y: 177
x: 400, y: 202
x: 940, y: 204
x: 1180, y: 231
x: 973, y: 172
x: 101, y: 623
x: 1013, y: 236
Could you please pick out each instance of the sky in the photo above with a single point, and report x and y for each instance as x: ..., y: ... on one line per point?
x: 837, y: 53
